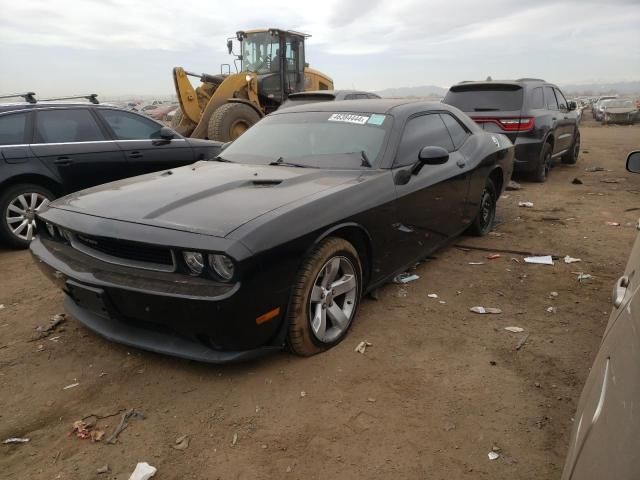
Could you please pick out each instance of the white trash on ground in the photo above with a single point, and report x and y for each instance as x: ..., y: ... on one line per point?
x: 406, y: 278
x: 525, y: 204
x: 143, y: 471
x: 432, y: 295
x: 514, y: 329
x: 541, y: 260
x: 493, y: 455
x: 569, y: 259
x: 482, y: 310
x: 11, y: 440
x: 362, y: 346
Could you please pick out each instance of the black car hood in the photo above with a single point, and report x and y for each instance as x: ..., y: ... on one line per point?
x: 211, y: 198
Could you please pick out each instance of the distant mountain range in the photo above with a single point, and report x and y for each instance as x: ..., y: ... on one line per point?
x: 622, y: 88
x: 419, y: 92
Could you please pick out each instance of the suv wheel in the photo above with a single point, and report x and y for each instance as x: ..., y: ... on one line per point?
x: 18, y: 207
x: 542, y: 171
x: 571, y: 157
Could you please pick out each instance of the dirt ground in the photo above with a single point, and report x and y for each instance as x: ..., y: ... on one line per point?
x: 437, y: 390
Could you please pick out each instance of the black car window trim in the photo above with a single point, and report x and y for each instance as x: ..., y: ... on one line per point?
x: 34, y: 133
x: 546, y: 89
x: 407, y: 120
x: 564, y: 106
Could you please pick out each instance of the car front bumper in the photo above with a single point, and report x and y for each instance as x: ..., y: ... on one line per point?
x: 192, y: 319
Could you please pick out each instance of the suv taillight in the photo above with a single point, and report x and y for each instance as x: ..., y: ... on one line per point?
x: 509, y: 124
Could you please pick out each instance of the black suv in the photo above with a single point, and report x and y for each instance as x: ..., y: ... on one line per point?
x: 50, y: 149
x: 534, y: 114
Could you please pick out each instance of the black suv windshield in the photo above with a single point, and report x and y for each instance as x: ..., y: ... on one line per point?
x: 485, y: 97
x: 313, y: 139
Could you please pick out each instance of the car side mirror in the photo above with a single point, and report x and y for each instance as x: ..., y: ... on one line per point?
x: 230, y: 46
x: 572, y: 106
x: 430, y: 156
x: 633, y: 162
x: 166, y: 133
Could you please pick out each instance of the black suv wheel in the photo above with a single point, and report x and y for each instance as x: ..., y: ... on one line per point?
x: 542, y: 170
x: 571, y: 157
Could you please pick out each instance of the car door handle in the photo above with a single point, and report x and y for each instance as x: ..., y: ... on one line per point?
x: 619, y: 291
x: 554, y: 118
x: 135, y: 155
x: 461, y: 163
x: 63, y: 161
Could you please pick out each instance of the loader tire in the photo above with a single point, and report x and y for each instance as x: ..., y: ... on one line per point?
x: 231, y: 120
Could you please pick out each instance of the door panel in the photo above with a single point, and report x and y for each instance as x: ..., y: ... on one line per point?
x: 430, y: 206
x: 139, y: 138
x: 73, y: 146
x: 566, y: 122
x: 604, y: 439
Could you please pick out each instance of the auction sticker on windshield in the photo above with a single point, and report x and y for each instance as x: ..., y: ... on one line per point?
x: 349, y: 118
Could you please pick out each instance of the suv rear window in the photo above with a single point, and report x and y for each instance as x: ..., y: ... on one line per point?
x: 12, y: 128
x: 485, y: 97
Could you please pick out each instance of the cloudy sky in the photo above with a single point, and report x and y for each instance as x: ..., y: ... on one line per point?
x: 117, y: 47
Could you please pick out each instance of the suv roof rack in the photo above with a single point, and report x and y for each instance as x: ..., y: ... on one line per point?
x: 92, y: 97
x: 530, y: 80
x: 28, y: 96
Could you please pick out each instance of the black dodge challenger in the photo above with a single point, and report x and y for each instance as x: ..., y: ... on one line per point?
x: 275, y: 243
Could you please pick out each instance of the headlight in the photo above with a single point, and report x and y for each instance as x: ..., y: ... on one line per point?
x: 66, y: 234
x: 248, y: 78
x: 194, y: 261
x: 51, y: 229
x: 222, y: 266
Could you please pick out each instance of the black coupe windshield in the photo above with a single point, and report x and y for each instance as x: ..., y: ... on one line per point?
x: 313, y: 139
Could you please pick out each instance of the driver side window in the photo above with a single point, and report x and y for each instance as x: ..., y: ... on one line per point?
x: 419, y: 132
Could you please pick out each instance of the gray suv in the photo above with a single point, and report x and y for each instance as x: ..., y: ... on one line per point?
x: 534, y: 114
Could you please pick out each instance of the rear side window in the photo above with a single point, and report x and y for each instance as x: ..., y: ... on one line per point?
x: 485, y: 98
x: 129, y: 126
x: 63, y: 126
x: 458, y: 133
x: 12, y: 127
x: 419, y: 132
x: 550, y: 98
x: 537, y: 98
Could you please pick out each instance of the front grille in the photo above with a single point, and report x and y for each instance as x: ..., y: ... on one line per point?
x: 124, y: 252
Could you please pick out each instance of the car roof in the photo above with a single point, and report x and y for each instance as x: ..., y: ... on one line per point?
x: 520, y: 82
x: 333, y: 93
x: 12, y: 107
x: 382, y: 105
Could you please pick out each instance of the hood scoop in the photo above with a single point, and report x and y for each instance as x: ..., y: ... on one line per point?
x: 266, y: 183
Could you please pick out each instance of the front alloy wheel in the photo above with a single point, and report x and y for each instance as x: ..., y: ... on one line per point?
x: 325, y: 297
x: 333, y: 299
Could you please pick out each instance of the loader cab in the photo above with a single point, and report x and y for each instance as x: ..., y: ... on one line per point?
x: 277, y: 58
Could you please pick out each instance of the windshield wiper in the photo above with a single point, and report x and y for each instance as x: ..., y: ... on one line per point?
x: 365, y: 159
x: 222, y: 159
x: 280, y: 162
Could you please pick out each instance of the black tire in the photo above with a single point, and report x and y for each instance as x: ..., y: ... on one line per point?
x: 231, y: 120
x: 7, y: 235
x: 571, y: 157
x: 542, y: 170
x: 483, y: 223
x: 301, y: 338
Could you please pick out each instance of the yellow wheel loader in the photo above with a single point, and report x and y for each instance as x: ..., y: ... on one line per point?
x: 223, y: 107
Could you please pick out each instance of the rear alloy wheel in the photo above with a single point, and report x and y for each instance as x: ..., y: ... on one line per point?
x: 483, y: 223
x: 571, y: 157
x: 231, y: 120
x: 325, y: 297
x: 19, y: 206
x: 542, y: 171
